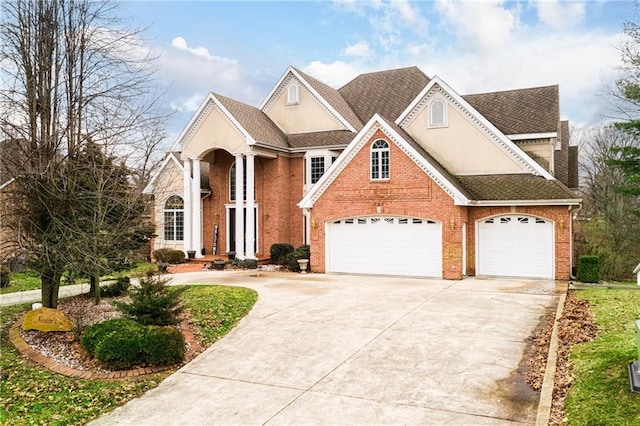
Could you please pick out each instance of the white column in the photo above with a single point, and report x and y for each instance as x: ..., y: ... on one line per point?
x: 186, y: 195
x: 251, y: 231
x: 239, y: 208
x: 196, y: 220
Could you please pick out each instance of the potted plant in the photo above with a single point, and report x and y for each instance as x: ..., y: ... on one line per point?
x: 218, y: 264
x: 303, y: 265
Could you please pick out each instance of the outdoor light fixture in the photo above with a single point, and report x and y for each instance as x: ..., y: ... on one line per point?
x: 452, y: 223
x: 634, y: 367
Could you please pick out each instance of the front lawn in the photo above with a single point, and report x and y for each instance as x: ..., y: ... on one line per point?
x: 601, y: 394
x: 31, y: 394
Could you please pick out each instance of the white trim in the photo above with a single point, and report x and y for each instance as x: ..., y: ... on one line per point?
x: 523, y: 136
x: 280, y: 86
x: 502, y: 141
x: 148, y: 190
x: 444, y: 122
x: 379, y: 151
x: 378, y: 123
x: 201, y: 114
x: 7, y: 183
x: 293, y: 98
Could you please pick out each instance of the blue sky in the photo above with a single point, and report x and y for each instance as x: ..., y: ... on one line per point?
x: 240, y: 49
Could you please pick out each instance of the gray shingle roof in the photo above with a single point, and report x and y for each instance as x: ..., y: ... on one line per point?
x: 319, y: 139
x: 334, y: 98
x: 387, y: 93
x: 256, y: 122
x: 513, y: 112
x: 561, y: 156
x: 514, y: 187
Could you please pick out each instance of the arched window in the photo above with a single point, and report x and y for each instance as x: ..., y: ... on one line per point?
x: 379, y: 160
x: 437, y: 113
x: 174, y: 219
x: 293, y: 94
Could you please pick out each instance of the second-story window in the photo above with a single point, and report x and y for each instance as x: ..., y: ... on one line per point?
x: 380, y: 160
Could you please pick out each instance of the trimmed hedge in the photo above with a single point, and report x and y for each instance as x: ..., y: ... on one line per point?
x: 279, y: 252
x: 245, y: 263
x: 97, y: 332
x: 169, y: 256
x: 163, y: 345
x: 588, y: 269
x: 123, y: 343
x: 302, y: 252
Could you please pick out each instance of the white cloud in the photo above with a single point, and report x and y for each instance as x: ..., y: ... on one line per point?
x: 188, y: 103
x: 335, y: 74
x: 359, y: 49
x: 483, y: 25
x: 181, y: 43
x: 560, y: 15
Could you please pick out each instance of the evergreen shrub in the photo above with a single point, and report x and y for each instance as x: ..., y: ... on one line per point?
x: 588, y: 269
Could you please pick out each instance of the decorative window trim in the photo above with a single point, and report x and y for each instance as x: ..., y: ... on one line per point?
x: 437, y: 117
x: 310, y: 173
x: 293, y: 94
x: 379, y: 164
x: 173, y: 211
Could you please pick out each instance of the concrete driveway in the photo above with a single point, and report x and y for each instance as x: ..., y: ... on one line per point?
x: 341, y: 349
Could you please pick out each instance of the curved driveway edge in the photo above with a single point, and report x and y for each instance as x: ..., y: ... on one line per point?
x: 343, y: 349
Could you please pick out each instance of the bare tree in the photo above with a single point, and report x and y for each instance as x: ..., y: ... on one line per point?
x: 607, y: 226
x: 73, y: 74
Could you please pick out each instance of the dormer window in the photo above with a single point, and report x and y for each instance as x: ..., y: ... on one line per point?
x: 293, y: 94
x: 437, y: 114
x: 380, y: 160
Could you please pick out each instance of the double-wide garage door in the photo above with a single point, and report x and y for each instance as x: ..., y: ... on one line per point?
x: 516, y: 246
x: 385, y: 246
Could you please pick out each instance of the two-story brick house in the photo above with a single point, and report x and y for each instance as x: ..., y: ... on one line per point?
x: 393, y: 173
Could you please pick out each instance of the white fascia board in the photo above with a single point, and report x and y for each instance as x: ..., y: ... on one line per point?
x: 150, y: 186
x: 493, y: 129
x: 310, y: 88
x: 331, y: 174
x: 7, y: 183
x: 559, y: 202
x: 275, y: 88
x: 524, y: 136
x: 177, y: 145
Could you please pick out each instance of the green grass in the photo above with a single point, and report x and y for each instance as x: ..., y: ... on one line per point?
x: 31, y: 394
x: 215, y: 310
x: 30, y: 280
x: 601, y: 394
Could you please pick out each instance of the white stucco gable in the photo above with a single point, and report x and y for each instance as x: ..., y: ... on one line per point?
x: 466, y: 143
x: 169, y: 161
x: 212, y: 119
x: 310, y: 112
x: 359, y: 141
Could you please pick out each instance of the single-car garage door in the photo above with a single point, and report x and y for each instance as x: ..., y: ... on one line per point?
x: 385, y: 246
x: 515, y: 246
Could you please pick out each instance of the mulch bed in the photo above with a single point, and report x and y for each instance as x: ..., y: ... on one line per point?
x: 576, y: 325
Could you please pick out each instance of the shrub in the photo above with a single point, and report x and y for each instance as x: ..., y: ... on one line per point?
x: 279, y: 252
x: 169, y: 256
x: 5, y: 276
x: 121, y: 350
x: 588, y: 269
x: 245, y: 263
x: 116, y: 289
x: 302, y: 252
x: 98, y: 332
x: 152, y: 303
x: 163, y: 345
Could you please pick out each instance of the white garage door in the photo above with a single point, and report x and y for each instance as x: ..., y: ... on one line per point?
x: 385, y: 246
x: 515, y: 246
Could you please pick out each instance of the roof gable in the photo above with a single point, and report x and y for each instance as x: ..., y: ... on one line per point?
x: 328, y: 99
x: 378, y: 123
x: 169, y: 160
x: 209, y: 104
x: 437, y: 87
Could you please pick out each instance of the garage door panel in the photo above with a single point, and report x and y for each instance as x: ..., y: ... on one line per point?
x: 387, y: 246
x: 518, y: 246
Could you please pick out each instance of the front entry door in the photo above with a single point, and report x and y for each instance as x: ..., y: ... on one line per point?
x: 231, y: 228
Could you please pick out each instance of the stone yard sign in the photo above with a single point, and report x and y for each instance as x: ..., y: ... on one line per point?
x: 47, y: 319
